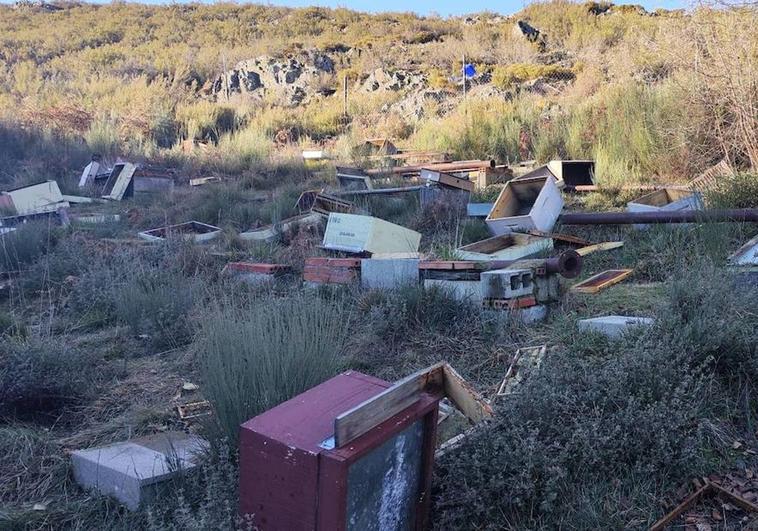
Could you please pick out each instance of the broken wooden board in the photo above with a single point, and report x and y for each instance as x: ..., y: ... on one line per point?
x: 439, y: 380
x: 563, y: 238
x: 194, y: 410
x: 599, y: 282
x: 356, y: 421
x: 604, y: 246
x: 708, y: 489
x: 525, y: 360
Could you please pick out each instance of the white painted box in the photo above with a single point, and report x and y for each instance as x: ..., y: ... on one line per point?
x: 526, y: 204
x: 357, y: 234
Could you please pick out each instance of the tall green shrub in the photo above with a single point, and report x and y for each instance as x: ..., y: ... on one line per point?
x: 263, y: 353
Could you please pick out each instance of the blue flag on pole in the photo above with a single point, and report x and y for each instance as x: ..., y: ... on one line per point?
x: 469, y: 70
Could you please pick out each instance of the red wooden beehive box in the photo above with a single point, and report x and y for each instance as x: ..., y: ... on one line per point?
x: 292, y: 478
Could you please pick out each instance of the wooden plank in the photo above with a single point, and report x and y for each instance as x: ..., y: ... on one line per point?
x: 465, y: 398
x: 360, y: 419
x: 735, y: 499
x: 440, y: 380
x: 603, y: 280
x: 604, y: 246
x: 661, y: 524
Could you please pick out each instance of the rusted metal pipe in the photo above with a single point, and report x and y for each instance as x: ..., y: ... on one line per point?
x: 568, y: 264
x: 681, y: 216
x: 465, y: 165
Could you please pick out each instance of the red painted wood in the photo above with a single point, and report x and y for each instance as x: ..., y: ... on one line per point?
x: 289, y: 482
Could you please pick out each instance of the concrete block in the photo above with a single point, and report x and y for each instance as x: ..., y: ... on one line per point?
x: 531, y: 315
x: 613, y: 326
x: 389, y: 274
x: 506, y: 283
x: 129, y: 471
x: 464, y: 290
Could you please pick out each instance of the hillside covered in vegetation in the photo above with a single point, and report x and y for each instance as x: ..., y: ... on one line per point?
x: 647, y: 95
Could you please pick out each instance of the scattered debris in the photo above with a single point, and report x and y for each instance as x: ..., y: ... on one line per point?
x: 353, y: 179
x: 193, y: 410
x: 708, y: 488
x: 314, y: 154
x: 710, y: 178
x: 190, y: 230
x: 562, y: 239
x: 96, y: 218
x: 319, y: 270
x: 366, y: 234
x: 320, y: 203
x: 129, y: 471
x: 604, y: 246
x: 446, y: 180
x: 612, y: 326
x: 525, y: 362
x: 200, y: 181
x: 599, y: 282
x: 510, y: 246
x: 747, y: 254
x: 525, y: 204
x: 440, y: 379
x: 287, y: 226
x: 449, y: 167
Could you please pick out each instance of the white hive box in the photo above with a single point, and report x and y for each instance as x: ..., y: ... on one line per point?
x: 526, y: 204
x: 358, y: 234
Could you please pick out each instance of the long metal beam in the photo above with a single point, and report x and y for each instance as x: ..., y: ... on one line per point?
x: 681, y: 216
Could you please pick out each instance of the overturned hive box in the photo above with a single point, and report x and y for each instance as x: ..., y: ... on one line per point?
x: 366, y: 234
x: 525, y: 204
x: 510, y: 246
x: 120, y: 183
x: 353, y: 179
x: 667, y: 199
x: 37, y: 198
x: 191, y: 230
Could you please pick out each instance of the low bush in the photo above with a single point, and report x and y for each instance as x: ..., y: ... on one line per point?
x: 39, y: 375
x: 157, y: 302
x: 24, y: 245
x: 258, y: 355
x: 605, y: 429
x: 740, y: 191
x: 506, y: 76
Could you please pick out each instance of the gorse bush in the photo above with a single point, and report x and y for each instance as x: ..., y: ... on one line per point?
x: 271, y: 348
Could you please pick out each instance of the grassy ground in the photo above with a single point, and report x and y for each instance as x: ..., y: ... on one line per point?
x: 99, y: 333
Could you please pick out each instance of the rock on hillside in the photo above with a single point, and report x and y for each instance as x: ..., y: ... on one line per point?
x: 290, y: 81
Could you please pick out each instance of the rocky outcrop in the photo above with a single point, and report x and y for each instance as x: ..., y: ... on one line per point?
x: 291, y: 82
x: 383, y: 80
